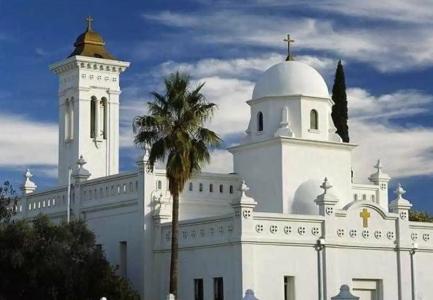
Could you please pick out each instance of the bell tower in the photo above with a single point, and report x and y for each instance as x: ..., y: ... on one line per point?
x: 89, y: 106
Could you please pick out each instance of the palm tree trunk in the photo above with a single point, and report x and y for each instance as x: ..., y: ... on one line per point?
x: 174, y: 245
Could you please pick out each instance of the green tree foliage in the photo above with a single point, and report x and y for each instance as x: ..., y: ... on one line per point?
x: 173, y: 131
x: 339, y: 110
x: 41, y: 260
x: 419, y: 216
x: 7, y: 202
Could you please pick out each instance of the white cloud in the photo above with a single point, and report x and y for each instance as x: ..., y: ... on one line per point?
x: 402, y: 103
x: 414, y: 11
x: 221, y: 162
x: 238, y: 67
x: 404, y: 150
x: 27, y: 142
x: 386, y: 47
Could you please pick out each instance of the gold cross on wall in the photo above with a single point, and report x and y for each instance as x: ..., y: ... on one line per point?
x: 289, y: 40
x: 365, y: 215
x: 89, y: 20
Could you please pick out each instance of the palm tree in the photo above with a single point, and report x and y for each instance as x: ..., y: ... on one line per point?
x: 173, y: 131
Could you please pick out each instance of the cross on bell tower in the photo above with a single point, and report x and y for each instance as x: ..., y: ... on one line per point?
x: 89, y: 21
x: 289, y: 40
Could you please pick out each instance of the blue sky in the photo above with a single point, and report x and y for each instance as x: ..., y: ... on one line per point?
x: 385, y: 47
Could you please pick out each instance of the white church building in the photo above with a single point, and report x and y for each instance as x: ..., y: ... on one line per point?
x: 288, y: 223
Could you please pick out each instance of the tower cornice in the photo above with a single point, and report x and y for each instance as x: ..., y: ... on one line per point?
x: 290, y: 140
x: 89, y: 63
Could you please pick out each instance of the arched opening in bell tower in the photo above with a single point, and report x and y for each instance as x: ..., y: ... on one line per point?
x: 259, y: 121
x: 314, y: 119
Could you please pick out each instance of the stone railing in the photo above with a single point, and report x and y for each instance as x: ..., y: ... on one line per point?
x: 115, y: 188
x: 46, y: 202
x: 119, y: 187
x: 199, y: 232
x: 205, y: 186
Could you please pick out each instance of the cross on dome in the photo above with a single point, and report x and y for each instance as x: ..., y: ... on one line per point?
x: 89, y: 21
x: 289, y: 40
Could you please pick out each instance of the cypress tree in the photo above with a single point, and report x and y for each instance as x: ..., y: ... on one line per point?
x: 339, y: 110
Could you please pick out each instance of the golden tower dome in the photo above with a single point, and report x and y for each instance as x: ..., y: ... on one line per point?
x: 90, y: 43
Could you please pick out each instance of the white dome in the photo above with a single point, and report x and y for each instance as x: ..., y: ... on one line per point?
x: 290, y: 78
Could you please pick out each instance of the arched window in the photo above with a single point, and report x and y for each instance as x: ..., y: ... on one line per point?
x: 200, y: 187
x: 314, y: 119
x: 221, y: 188
x: 71, y: 118
x: 93, y: 117
x: 67, y: 119
x: 190, y: 187
x: 104, y: 107
x: 159, y: 185
x: 211, y: 188
x: 259, y: 121
x: 231, y: 189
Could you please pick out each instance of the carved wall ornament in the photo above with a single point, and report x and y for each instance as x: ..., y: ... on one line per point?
x: 287, y: 229
x: 273, y: 229
x: 378, y: 234
x: 301, y: 230
x: 259, y: 228
x: 246, y: 213
x: 390, y: 235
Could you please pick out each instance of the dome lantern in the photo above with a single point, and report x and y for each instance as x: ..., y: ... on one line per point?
x: 91, y: 44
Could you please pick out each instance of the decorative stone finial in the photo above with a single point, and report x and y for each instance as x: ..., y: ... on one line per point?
x: 400, y: 205
x: 326, y: 185
x: 345, y: 294
x: 327, y: 200
x: 28, y: 186
x: 144, y: 156
x: 249, y: 295
x: 81, y: 162
x: 399, y: 191
x: 244, y: 201
x: 81, y: 174
x: 379, y: 176
x: 244, y: 187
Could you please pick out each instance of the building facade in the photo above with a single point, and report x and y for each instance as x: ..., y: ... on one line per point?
x: 288, y: 223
